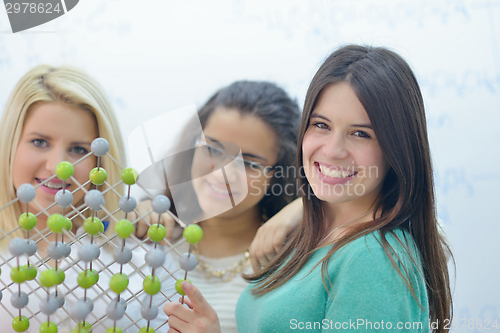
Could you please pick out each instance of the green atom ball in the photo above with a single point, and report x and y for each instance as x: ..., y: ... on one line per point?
x: 61, y: 276
x: 87, y: 326
x: 157, y: 232
x: 48, y: 327
x: 87, y: 279
x: 96, y: 275
x: 151, y: 285
x: 27, y: 222
x: 118, y: 282
x: 98, y: 176
x: 93, y: 226
x: 178, y: 286
x: 68, y: 224
x: 20, y: 323
x: 124, y: 228
x: 145, y: 330
x: 31, y: 271
x: 56, y: 223
x: 19, y: 274
x: 129, y: 176
x: 80, y: 330
x: 64, y: 170
x: 49, y: 278
x: 193, y: 234
x: 114, y: 330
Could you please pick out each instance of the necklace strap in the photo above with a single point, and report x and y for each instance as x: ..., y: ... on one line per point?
x: 226, y: 274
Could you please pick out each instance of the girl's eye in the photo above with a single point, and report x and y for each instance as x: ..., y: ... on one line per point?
x: 40, y: 143
x: 362, y: 134
x: 79, y: 150
x: 249, y: 165
x: 214, y: 152
x: 320, y: 125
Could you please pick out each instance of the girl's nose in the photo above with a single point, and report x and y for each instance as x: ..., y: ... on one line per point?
x: 54, y: 157
x: 335, y: 147
x: 235, y: 170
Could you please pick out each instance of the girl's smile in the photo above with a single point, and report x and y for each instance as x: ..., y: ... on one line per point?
x: 53, y: 186
x: 334, y: 175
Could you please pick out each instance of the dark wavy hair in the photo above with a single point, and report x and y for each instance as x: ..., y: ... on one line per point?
x: 388, y: 90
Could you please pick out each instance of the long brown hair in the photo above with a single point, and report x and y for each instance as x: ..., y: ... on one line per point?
x: 388, y: 90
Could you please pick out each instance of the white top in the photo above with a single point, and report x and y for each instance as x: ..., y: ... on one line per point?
x: 222, y: 296
x: 99, y: 293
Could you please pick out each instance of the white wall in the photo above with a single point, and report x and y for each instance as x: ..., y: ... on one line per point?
x: 155, y: 56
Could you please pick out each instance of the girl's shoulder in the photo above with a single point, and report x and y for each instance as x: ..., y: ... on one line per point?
x: 372, y: 279
x: 376, y: 249
x: 398, y: 239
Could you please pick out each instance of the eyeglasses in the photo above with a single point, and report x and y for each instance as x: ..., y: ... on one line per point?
x: 220, y: 157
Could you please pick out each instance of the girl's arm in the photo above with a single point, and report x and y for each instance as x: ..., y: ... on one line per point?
x: 142, y: 226
x: 272, y: 235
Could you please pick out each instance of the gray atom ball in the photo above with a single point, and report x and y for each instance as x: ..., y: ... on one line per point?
x: 64, y: 198
x: 26, y: 193
x: 89, y: 303
x: 161, y: 204
x: 56, y: 251
x: 31, y: 248
x: 188, y: 262
x: 115, y: 310
x: 48, y: 306
x: 1, y: 295
x: 94, y: 199
x: 99, y: 147
x: 80, y: 309
x: 89, y: 252
x: 66, y: 249
x: 59, y: 298
x: 121, y: 301
x: 122, y: 256
x: 149, y: 313
x: 19, y: 301
x: 155, y: 258
x: 127, y: 205
x: 18, y: 246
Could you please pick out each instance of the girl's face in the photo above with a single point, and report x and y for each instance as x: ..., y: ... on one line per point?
x: 53, y: 133
x: 257, y: 143
x: 342, y: 159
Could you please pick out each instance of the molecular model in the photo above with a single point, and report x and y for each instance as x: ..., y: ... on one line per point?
x: 101, y: 277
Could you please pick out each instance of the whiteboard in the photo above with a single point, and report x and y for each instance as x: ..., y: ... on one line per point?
x: 156, y: 56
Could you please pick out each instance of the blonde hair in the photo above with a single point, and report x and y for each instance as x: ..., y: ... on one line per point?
x: 70, y: 86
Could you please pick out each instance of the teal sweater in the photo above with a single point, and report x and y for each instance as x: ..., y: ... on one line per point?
x: 367, y: 295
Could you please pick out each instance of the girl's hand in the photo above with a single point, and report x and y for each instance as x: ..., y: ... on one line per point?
x: 199, y: 317
x: 143, y: 225
x: 272, y: 235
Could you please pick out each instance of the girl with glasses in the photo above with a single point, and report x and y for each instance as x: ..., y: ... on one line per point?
x: 241, y: 174
x: 368, y: 255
